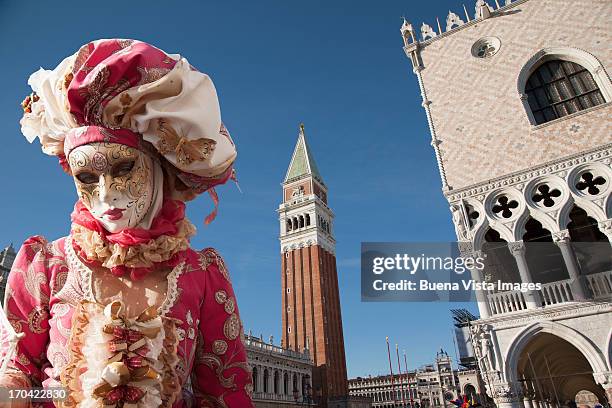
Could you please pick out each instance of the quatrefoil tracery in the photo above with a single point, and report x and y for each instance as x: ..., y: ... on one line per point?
x: 546, y: 195
x: 504, y: 206
x: 590, y: 184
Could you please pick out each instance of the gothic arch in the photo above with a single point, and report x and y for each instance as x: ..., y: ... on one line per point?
x: 546, y: 220
x: 589, y: 206
x: 575, y: 55
x: 609, y: 356
x: 575, y: 338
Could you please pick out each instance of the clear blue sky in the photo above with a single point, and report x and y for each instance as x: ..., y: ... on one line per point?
x: 337, y: 66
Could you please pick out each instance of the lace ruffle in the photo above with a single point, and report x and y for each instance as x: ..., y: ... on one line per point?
x: 111, y: 255
x: 92, y: 352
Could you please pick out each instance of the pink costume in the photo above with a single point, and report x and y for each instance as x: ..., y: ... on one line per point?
x: 186, y: 352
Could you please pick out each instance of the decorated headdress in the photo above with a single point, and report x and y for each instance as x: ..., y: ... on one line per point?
x: 129, y: 92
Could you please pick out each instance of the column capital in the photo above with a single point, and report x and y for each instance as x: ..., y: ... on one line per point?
x: 604, y: 379
x: 506, y: 393
x: 561, y: 237
x: 606, y: 228
x: 466, y: 248
x: 517, y: 248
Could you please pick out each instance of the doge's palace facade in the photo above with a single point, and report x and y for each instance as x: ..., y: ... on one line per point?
x: 518, y: 99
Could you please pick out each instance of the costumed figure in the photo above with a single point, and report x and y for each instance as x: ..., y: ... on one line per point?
x: 464, y: 402
x: 122, y: 312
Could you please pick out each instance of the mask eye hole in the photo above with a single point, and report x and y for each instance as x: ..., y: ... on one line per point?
x: 87, y: 178
x: 123, y: 169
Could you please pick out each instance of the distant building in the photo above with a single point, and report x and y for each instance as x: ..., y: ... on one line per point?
x: 429, y: 386
x: 7, y: 257
x: 470, y: 381
x: 281, y: 377
x: 311, y: 315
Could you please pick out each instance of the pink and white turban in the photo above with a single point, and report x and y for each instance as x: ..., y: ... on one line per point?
x: 127, y: 91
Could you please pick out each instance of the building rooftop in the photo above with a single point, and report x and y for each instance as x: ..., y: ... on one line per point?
x: 454, y: 22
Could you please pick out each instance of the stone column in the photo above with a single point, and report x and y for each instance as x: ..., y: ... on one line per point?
x: 562, y: 240
x: 517, y: 249
x: 606, y: 228
x: 260, y: 378
x: 528, y: 402
x: 481, y: 297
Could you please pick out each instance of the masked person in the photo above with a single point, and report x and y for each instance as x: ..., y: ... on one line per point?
x: 122, y: 312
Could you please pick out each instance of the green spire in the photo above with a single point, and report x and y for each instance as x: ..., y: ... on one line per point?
x: 302, y: 162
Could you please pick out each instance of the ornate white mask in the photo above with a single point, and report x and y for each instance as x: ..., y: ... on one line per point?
x: 119, y: 185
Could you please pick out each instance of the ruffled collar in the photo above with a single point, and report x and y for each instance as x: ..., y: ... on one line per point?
x: 135, y: 251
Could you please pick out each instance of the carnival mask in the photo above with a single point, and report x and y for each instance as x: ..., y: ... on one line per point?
x: 115, y: 183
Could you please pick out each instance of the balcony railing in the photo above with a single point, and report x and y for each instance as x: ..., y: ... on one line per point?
x: 507, y: 302
x: 282, y: 398
x: 599, y: 285
x: 556, y: 292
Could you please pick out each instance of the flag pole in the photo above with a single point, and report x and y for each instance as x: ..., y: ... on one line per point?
x: 390, y: 368
x: 399, y: 369
x: 408, y: 379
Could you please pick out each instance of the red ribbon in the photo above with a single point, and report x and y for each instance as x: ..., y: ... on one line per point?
x: 124, y: 393
x: 126, y: 335
x: 134, y: 362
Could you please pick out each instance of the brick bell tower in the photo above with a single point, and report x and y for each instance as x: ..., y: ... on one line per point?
x: 311, y: 301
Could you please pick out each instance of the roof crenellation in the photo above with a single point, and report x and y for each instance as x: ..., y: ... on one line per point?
x: 454, y: 22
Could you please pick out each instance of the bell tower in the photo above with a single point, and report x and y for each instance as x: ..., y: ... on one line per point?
x: 310, y: 297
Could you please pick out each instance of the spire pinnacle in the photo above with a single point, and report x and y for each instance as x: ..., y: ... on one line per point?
x: 302, y: 162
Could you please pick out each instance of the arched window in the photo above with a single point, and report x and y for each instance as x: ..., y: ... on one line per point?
x: 307, y: 219
x: 301, y: 221
x: 255, y: 383
x: 295, y: 223
x: 591, y: 246
x: 266, y: 378
x: 286, y: 384
x: 499, y: 264
x: 544, y: 258
x: 289, y: 225
x: 276, y: 382
x: 559, y: 88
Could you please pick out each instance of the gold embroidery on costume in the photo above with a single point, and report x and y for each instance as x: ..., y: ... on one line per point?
x: 221, y: 296
x: 148, y: 75
x: 248, y: 387
x: 180, y: 333
x: 97, y: 91
x: 60, y: 281
x: 35, y: 319
x: 209, y: 256
x: 231, y: 327
x: 187, y: 151
x: 189, y: 318
x: 230, y: 306
x: 219, y: 347
x: 16, y: 325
